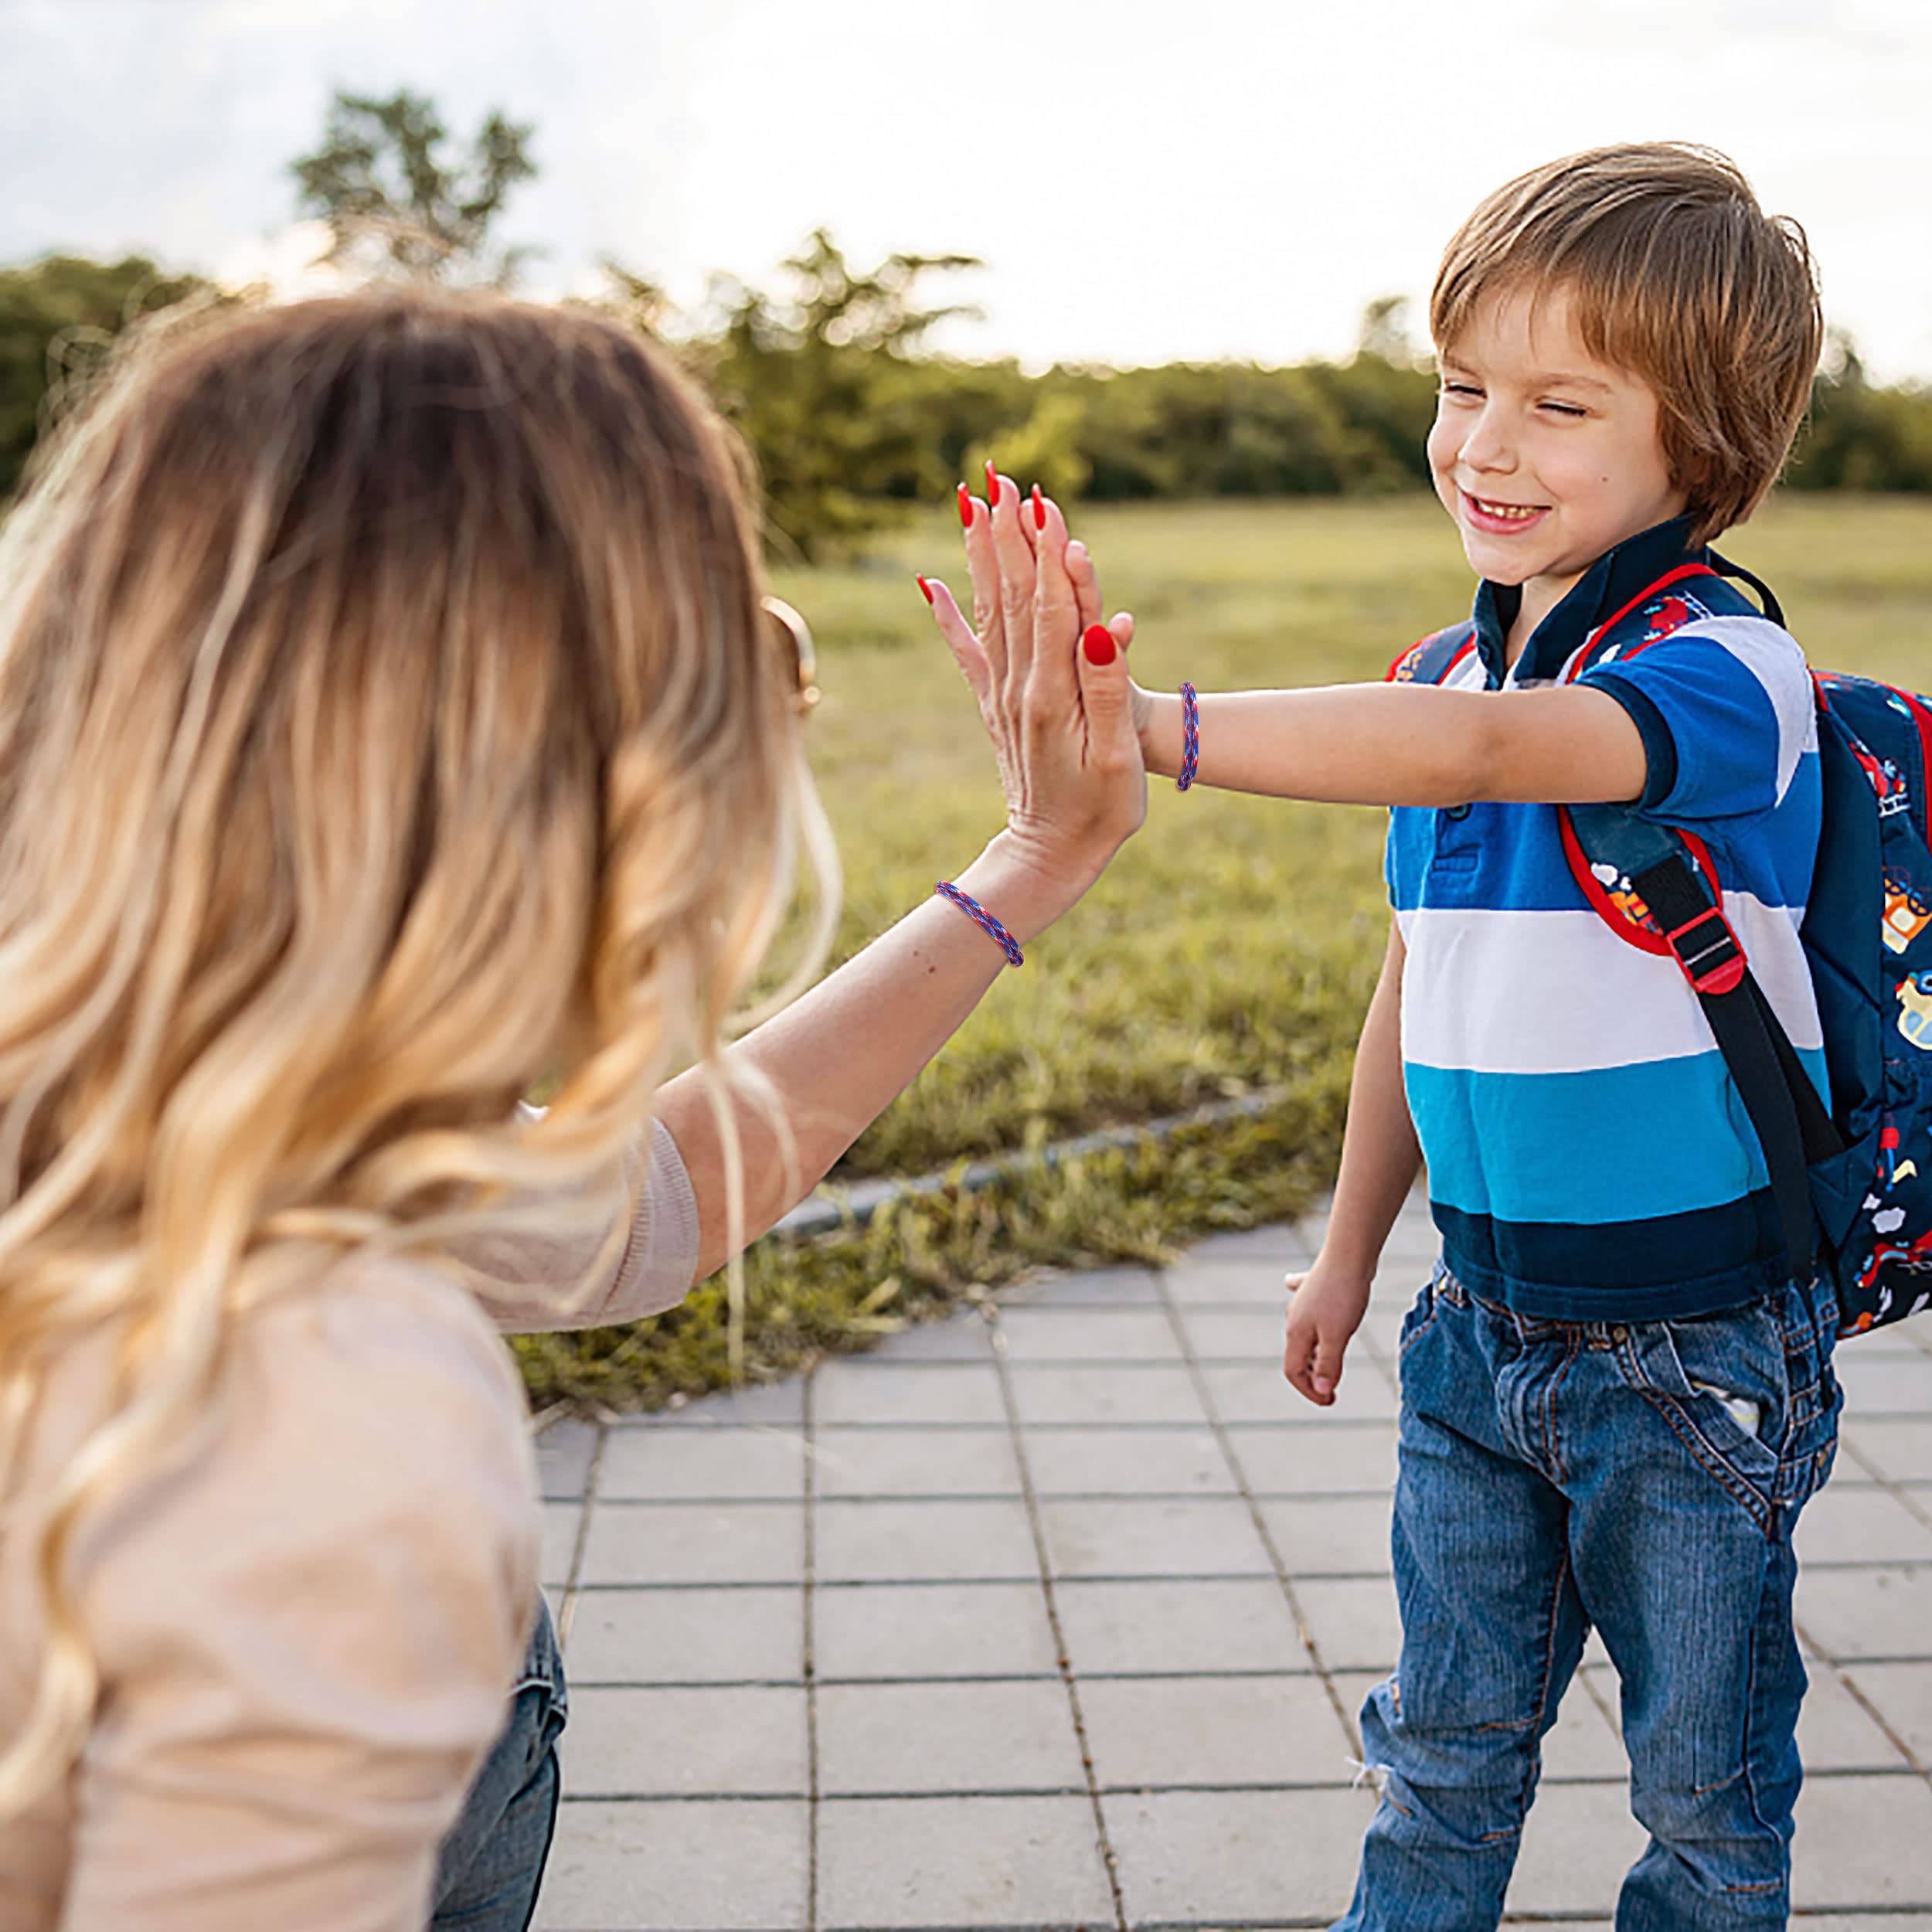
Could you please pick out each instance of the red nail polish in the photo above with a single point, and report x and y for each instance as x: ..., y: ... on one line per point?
x: 992, y: 482
x: 1040, y: 510
x: 1097, y: 642
x: 965, y: 508
x: 925, y: 588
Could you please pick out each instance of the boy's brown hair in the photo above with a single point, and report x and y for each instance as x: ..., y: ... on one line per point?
x: 1678, y: 276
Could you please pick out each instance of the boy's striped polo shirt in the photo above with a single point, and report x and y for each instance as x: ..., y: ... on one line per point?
x: 1589, y: 1155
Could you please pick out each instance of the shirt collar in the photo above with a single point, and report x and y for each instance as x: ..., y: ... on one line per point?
x: 1612, y: 581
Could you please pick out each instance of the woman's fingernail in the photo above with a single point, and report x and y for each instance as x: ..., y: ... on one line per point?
x: 1323, y: 1385
x: 965, y: 508
x: 1097, y: 642
x: 926, y: 587
x: 1040, y: 509
x: 992, y: 482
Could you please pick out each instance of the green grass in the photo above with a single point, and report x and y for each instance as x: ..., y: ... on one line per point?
x: 1229, y: 950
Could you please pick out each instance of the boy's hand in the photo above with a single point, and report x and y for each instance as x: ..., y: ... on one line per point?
x: 1325, y: 1308
x: 1086, y: 591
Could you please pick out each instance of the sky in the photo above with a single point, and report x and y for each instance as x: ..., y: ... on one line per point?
x: 1146, y: 183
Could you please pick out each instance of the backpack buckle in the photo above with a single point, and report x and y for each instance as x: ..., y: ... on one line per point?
x: 1715, y: 962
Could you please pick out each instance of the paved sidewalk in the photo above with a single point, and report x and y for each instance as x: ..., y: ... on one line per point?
x: 1062, y: 1619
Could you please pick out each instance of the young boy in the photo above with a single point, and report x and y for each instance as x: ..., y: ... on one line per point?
x: 1616, y: 1399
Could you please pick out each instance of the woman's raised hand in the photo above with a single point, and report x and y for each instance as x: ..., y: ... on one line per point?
x: 1050, y: 680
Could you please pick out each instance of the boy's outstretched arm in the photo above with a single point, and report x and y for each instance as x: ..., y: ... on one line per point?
x: 1380, y: 1158
x: 1406, y: 744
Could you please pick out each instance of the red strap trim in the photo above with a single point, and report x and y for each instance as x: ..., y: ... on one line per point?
x: 1726, y: 978
x: 1664, y: 582
x: 1645, y: 936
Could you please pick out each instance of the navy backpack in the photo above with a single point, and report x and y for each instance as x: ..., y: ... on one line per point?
x: 1853, y: 1183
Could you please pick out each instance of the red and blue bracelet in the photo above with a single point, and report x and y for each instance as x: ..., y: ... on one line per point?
x: 1190, y: 737
x: 984, y: 920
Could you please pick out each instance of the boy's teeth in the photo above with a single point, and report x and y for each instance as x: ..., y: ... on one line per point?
x: 1515, y: 512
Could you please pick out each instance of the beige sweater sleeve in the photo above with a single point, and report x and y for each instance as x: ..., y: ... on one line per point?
x: 634, y: 1255
x: 307, y: 1634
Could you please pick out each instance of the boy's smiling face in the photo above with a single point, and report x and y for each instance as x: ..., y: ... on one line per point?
x: 1545, y: 456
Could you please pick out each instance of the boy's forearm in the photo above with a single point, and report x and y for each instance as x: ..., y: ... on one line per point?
x: 1406, y: 744
x: 1380, y: 1155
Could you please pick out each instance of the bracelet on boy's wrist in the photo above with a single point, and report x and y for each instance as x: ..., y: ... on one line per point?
x: 1190, y: 737
x: 983, y: 920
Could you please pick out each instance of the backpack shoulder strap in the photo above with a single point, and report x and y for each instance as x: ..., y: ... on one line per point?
x: 1429, y: 660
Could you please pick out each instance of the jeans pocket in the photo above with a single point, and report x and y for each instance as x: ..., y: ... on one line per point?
x: 1422, y: 1312
x: 1727, y: 1377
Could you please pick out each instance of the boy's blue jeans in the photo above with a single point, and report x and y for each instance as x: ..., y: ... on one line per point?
x: 492, y: 1863
x: 1556, y: 1475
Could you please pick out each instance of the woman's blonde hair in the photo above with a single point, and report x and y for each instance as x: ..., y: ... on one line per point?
x: 1679, y: 277
x: 389, y: 722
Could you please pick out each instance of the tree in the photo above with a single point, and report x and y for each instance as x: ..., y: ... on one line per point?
x: 394, y: 197
x: 55, y: 315
x: 822, y: 384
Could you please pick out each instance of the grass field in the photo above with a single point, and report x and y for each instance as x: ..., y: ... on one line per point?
x: 1232, y: 947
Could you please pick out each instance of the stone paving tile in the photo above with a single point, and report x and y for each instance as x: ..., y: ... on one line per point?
x: 1196, y: 1537
x: 695, y: 1543
x: 905, y: 1863
x: 1280, y: 1245
x: 966, y: 1336
x: 1262, y: 1394
x: 1253, y: 1335
x: 932, y: 1630
x: 914, y: 1462
x: 1900, y: 1449
x: 877, y: 1390
x: 1118, y: 1392
x: 1860, y: 1525
x: 1867, y: 1613
x: 1231, y: 1857
x: 563, y: 1453
x: 560, y: 1521
x: 1903, y: 1693
x: 898, y: 1541
x: 711, y: 1742
x: 779, y: 1405
x: 887, y: 1740
x: 674, y: 1464
x: 1835, y: 1732
x: 680, y: 1636
x: 1354, y: 1624
x: 1085, y: 1287
x: 1241, y: 1624
x: 1316, y: 1535
x: 1317, y: 1455
x: 1153, y: 1731
x: 1577, y: 1844
x: 1878, y: 1384
x: 1127, y: 1461
x: 1088, y: 1334
x: 1861, y: 1843
x: 728, y: 1867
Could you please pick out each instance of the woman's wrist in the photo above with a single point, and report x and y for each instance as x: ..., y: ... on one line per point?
x: 1026, y: 887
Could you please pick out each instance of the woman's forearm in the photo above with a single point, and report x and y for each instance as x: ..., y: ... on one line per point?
x: 838, y: 1054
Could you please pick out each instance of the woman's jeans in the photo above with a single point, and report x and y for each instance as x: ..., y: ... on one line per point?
x: 492, y: 1863
x: 1641, y: 1477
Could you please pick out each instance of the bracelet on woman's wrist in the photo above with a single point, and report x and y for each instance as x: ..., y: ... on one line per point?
x: 983, y: 920
x: 1190, y: 737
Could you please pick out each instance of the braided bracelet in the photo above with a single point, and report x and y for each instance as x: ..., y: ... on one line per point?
x: 984, y: 920
x: 1190, y: 737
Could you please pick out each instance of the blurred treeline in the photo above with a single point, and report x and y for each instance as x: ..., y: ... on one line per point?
x: 828, y: 378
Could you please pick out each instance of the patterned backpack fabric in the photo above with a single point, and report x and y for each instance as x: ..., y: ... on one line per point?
x: 1853, y: 1184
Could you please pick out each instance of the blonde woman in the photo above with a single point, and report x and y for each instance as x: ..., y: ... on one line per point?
x: 390, y: 721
